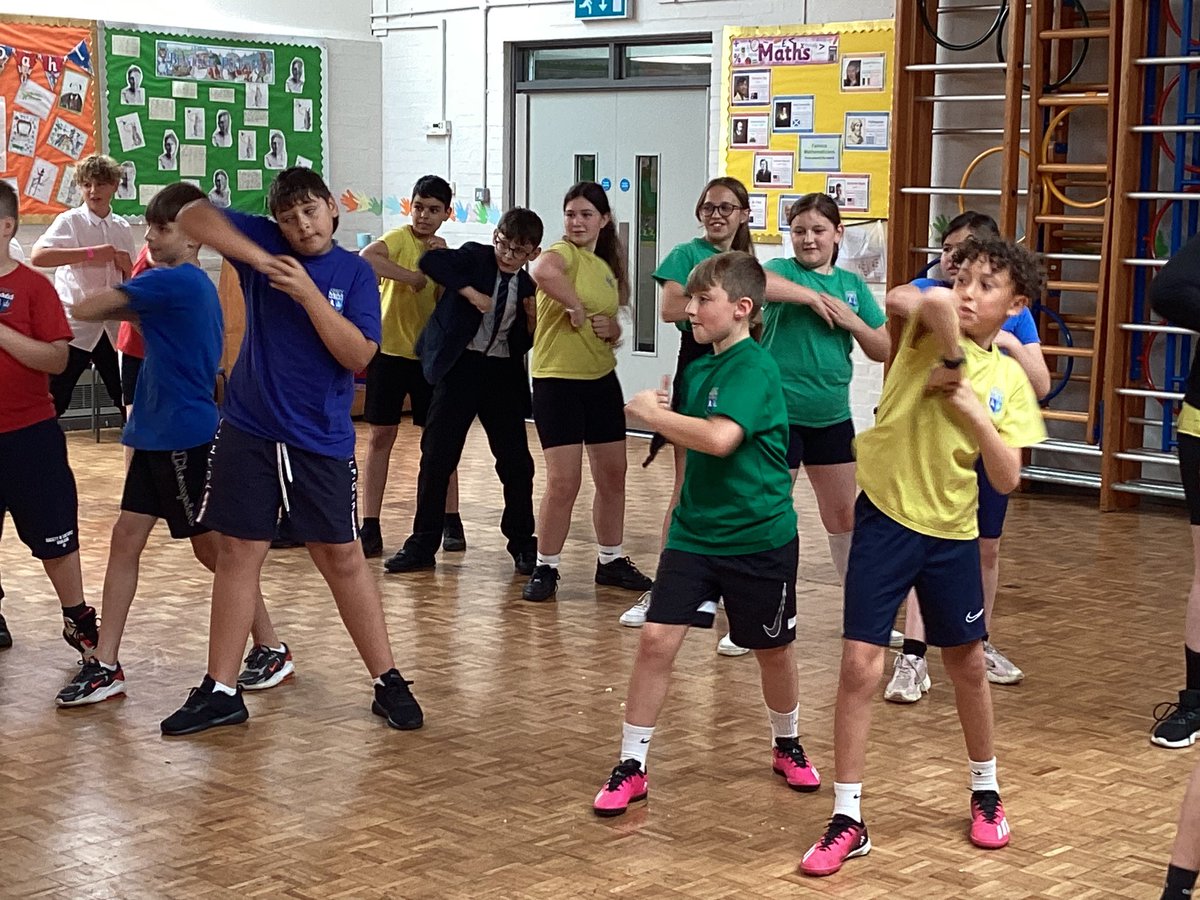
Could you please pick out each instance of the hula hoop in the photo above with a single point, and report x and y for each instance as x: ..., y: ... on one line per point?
x: 1047, y: 180
x: 932, y: 31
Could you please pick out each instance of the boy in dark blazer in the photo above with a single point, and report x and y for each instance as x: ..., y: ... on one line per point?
x: 473, y: 353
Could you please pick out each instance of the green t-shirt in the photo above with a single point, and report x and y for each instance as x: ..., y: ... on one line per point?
x: 678, y: 265
x: 814, y: 359
x: 741, y: 503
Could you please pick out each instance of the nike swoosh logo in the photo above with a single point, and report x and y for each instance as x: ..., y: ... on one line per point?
x: 974, y: 617
x: 777, y: 627
x: 644, y: 741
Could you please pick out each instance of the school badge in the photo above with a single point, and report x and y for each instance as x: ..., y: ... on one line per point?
x: 6, y: 301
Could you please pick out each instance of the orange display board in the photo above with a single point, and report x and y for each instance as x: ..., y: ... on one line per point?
x: 48, y: 109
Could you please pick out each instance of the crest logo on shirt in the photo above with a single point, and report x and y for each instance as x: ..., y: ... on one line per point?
x: 852, y: 300
x: 995, y: 401
x: 337, y: 298
x: 6, y: 300
x: 712, y: 400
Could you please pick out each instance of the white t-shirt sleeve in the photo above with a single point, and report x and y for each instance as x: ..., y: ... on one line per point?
x: 59, y: 234
x: 15, y: 251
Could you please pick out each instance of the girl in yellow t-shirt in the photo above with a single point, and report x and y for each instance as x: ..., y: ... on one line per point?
x: 577, y: 399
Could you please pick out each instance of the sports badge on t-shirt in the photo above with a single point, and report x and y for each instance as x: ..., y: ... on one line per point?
x: 6, y: 300
x: 995, y: 401
x: 337, y: 298
x: 712, y: 400
x: 852, y: 300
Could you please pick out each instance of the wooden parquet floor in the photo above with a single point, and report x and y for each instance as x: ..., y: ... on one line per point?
x: 314, y: 798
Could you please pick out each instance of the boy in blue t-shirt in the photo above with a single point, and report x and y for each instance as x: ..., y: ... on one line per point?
x: 286, y: 440
x: 179, y: 314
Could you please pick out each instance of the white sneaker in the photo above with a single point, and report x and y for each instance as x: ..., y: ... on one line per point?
x: 896, y: 641
x: 1000, y: 669
x: 635, y: 616
x: 726, y: 647
x: 910, y: 679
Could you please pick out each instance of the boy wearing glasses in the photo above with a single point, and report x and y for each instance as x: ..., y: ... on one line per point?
x: 407, y: 298
x: 472, y: 352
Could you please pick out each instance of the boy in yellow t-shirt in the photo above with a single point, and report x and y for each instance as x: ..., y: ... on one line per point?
x: 950, y: 399
x: 408, y: 299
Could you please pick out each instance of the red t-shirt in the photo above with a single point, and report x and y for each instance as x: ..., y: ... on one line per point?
x: 129, y: 339
x: 29, y: 305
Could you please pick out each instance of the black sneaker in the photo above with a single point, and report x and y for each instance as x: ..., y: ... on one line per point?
x: 403, y: 561
x: 372, y: 540
x: 525, y: 562
x: 1178, y: 723
x: 454, y: 539
x: 5, y: 635
x: 543, y: 584
x: 265, y: 668
x: 204, y: 709
x: 622, y: 573
x: 92, y: 684
x: 395, y: 702
x: 82, y: 633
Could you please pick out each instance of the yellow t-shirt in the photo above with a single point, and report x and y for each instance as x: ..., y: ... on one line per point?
x: 404, y: 311
x: 560, y: 351
x: 918, y: 463
x: 1188, y: 421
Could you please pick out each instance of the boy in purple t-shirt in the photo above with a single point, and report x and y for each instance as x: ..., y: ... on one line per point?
x: 286, y: 440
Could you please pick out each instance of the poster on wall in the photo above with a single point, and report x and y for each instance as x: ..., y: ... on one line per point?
x: 48, y: 110
x: 826, y: 93
x: 223, y: 113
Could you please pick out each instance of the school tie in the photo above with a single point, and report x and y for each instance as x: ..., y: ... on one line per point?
x: 498, y: 308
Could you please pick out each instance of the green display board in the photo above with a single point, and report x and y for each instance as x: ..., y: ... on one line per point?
x: 224, y: 114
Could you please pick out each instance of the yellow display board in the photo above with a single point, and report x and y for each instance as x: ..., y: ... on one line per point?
x: 808, y: 109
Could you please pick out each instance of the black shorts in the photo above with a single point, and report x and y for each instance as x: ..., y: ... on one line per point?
x: 832, y: 445
x: 169, y: 485
x: 37, y: 488
x: 759, y: 591
x: 389, y: 380
x: 131, y: 367
x: 570, y: 411
x: 1189, y: 473
x: 251, y: 479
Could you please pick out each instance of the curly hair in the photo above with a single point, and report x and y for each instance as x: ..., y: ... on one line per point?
x: 1023, y: 267
x: 99, y: 168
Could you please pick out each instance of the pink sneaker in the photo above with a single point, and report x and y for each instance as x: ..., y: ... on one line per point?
x: 844, y: 839
x: 989, y: 828
x: 788, y: 760
x: 626, y: 784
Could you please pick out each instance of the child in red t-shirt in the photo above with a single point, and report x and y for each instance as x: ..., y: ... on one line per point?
x: 130, y: 344
x: 36, y: 484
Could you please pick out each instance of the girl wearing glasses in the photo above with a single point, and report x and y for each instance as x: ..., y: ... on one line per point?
x: 577, y: 400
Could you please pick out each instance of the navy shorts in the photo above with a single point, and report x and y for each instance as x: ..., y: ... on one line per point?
x: 993, y: 506
x: 168, y: 485
x: 832, y: 445
x: 390, y: 379
x: 887, y: 559
x: 570, y: 411
x: 759, y: 591
x: 37, y: 488
x: 252, y: 479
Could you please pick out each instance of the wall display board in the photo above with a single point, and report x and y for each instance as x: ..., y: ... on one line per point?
x: 48, y: 110
x: 221, y: 113
x: 808, y: 109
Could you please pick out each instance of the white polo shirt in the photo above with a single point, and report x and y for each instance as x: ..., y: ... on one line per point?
x: 80, y: 227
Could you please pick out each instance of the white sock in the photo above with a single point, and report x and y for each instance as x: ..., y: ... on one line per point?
x: 219, y: 688
x: 610, y: 554
x: 282, y: 648
x: 847, y: 800
x: 549, y: 559
x: 983, y: 776
x: 106, y: 667
x: 839, y: 550
x: 784, y: 724
x: 635, y: 743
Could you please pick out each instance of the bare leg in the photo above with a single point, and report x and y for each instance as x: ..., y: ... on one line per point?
x: 129, y: 536
x: 989, y: 562
x: 564, y: 470
x: 835, y: 490
x: 914, y: 625
x: 344, y: 569
x: 1186, y: 852
x: 380, y: 439
x: 235, y: 590
x: 67, y: 578
x: 1191, y: 630
x: 206, y: 546
x: 608, y: 463
x: 972, y: 696
x: 651, y: 678
x: 452, y: 495
x: 862, y: 667
x: 780, y: 680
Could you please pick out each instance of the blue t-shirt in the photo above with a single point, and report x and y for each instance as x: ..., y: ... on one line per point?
x: 180, y: 317
x: 286, y: 385
x: 1021, y: 324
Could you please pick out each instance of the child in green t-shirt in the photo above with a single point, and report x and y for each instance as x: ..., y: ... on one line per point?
x: 733, y: 532
x: 813, y: 353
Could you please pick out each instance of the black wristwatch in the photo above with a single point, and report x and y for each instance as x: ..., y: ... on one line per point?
x: 953, y: 363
